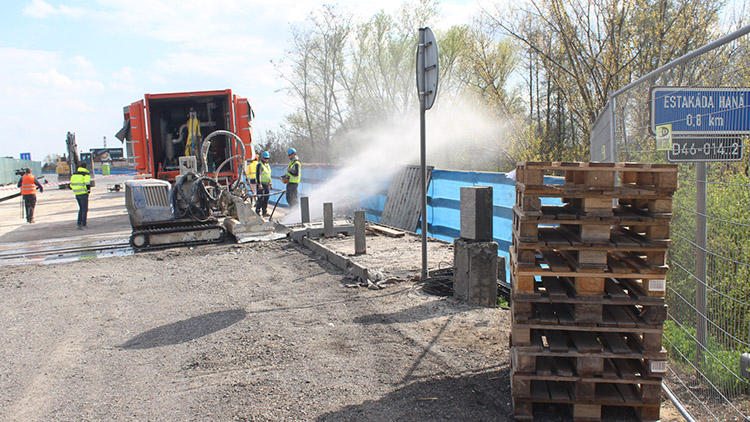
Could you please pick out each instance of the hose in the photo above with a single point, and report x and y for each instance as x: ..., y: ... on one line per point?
x: 206, y: 144
x: 277, y: 202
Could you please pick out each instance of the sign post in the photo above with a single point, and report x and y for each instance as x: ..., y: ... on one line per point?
x: 427, y: 78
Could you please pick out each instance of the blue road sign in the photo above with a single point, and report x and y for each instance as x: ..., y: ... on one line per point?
x: 701, y: 111
x: 26, y: 156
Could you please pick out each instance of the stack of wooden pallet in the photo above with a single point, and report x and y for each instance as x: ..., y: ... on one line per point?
x: 588, y: 286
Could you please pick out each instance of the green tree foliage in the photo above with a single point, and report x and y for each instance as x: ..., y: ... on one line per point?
x: 373, y: 80
x: 315, y: 67
x: 580, y: 51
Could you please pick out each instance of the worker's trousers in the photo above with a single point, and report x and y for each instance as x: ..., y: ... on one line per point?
x: 262, y: 205
x: 29, y: 202
x: 291, y: 194
x: 83, y: 208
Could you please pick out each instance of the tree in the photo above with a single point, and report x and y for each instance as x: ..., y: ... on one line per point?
x: 50, y: 162
x: 316, y: 63
x: 581, y: 51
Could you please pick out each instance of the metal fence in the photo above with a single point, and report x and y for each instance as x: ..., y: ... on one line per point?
x: 8, y: 167
x: 706, y: 95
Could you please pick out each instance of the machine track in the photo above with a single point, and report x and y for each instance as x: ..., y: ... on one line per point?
x: 177, y: 236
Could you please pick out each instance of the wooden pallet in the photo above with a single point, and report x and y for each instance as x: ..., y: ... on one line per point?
x: 599, y: 341
x: 585, y: 313
x: 621, y: 215
x: 586, y: 367
x: 584, y: 412
x: 662, y: 177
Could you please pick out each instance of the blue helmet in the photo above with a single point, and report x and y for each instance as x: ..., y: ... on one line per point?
x: 265, y: 154
x: 291, y: 151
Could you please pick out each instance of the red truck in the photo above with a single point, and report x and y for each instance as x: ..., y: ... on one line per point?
x: 161, y: 128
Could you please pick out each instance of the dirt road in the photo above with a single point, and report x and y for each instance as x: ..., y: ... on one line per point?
x: 252, y: 332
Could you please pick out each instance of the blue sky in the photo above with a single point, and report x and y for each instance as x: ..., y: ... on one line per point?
x: 73, y: 65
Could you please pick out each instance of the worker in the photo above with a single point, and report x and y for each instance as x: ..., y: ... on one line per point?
x: 250, y: 173
x: 263, y: 176
x: 29, y: 185
x: 194, y: 133
x: 80, y: 183
x: 292, y: 177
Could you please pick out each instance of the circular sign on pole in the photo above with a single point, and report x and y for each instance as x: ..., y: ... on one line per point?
x: 427, y: 67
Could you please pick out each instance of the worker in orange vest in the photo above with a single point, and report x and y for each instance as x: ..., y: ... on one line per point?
x: 29, y: 185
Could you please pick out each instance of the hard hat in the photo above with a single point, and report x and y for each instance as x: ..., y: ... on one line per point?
x: 291, y: 151
x: 266, y: 154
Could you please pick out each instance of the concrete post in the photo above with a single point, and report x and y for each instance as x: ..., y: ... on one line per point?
x: 328, y: 219
x: 476, y: 213
x: 360, y: 245
x: 475, y: 277
x: 304, y: 208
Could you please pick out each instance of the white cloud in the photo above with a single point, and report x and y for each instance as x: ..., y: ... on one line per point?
x: 124, y: 75
x: 41, y: 9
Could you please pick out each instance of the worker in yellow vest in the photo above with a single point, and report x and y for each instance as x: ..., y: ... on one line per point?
x: 263, y: 176
x: 80, y: 183
x: 292, y: 177
x: 250, y: 173
x: 29, y: 185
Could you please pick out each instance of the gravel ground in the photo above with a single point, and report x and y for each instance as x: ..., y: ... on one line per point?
x: 253, y: 332
x: 258, y: 332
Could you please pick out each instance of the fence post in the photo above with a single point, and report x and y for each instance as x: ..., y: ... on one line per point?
x: 700, y: 260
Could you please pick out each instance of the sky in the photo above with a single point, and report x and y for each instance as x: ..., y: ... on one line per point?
x: 71, y: 66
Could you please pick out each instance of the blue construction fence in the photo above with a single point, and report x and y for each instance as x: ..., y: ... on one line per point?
x: 443, y: 199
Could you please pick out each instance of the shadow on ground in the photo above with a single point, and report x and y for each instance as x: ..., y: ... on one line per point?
x: 185, y: 330
x: 473, y: 397
x: 413, y: 314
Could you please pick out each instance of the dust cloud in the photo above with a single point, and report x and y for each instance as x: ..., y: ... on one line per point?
x: 457, y: 134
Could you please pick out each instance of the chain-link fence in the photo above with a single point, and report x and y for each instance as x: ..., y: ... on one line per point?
x: 696, y: 111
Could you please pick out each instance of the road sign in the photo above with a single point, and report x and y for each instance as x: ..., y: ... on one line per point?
x: 706, y: 149
x: 427, y: 66
x: 26, y: 156
x: 663, y: 137
x: 701, y: 111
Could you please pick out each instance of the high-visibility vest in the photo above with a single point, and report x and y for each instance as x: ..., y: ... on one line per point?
x: 250, y: 170
x: 265, y: 173
x: 194, y: 132
x: 79, y: 180
x: 28, y: 187
x: 294, y: 179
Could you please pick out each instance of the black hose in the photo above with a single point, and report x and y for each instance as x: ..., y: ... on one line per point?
x: 277, y: 203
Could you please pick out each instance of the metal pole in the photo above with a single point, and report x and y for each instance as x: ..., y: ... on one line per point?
x: 423, y: 150
x: 676, y: 402
x: 700, y: 260
x: 612, y: 129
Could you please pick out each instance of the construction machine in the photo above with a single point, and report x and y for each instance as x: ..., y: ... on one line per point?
x: 68, y: 163
x: 162, y: 128
x: 197, y: 208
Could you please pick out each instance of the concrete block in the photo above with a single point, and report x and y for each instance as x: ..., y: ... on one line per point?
x: 328, y: 219
x: 476, y: 213
x: 304, y: 209
x: 475, y: 274
x: 360, y: 242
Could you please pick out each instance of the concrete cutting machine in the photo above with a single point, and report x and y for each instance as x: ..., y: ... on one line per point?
x: 197, y: 209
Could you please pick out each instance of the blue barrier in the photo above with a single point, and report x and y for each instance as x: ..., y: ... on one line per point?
x: 443, y: 199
